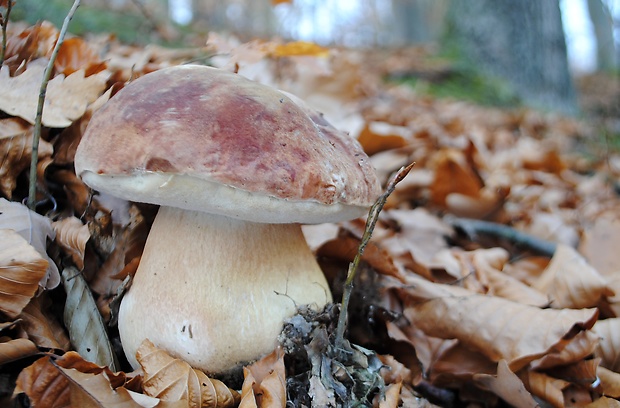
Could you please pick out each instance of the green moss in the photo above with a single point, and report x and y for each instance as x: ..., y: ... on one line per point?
x: 464, y: 83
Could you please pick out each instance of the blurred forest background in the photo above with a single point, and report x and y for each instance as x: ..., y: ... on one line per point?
x: 560, y: 55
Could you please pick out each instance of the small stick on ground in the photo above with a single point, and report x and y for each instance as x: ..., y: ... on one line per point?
x: 37, y: 122
x: 373, y: 217
x: 5, y: 22
x: 472, y: 228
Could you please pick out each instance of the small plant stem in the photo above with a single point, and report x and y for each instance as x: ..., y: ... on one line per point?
x: 36, y: 136
x: 373, y: 217
x: 5, y: 22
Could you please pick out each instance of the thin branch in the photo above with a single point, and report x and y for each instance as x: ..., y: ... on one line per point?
x: 5, y: 22
x: 472, y: 228
x: 37, y: 123
x: 373, y: 217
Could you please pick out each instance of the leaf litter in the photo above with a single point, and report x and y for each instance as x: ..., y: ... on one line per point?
x: 446, y: 310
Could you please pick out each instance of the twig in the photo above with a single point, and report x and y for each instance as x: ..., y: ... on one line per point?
x: 37, y: 122
x: 473, y: 227
x: 373, y: 217
x: 5, y: 22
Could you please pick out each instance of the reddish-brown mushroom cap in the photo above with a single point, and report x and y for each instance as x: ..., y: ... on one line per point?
x: 215, y: 128
x: 235, y: 166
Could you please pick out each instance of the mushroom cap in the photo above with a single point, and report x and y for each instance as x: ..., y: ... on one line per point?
x: 205, y: 139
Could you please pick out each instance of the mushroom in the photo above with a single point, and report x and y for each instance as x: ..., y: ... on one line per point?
x: 235, y: 166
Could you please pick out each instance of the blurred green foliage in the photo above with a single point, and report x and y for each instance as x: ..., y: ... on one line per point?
x: 129, y: 27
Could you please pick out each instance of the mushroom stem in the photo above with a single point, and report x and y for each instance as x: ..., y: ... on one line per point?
x: 214, y: 290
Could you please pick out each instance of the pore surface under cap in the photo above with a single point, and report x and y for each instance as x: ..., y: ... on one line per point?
x: 204, y: 124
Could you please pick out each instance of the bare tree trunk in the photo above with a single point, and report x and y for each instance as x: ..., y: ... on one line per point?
x: 607, y: 56
x: 521, y: 41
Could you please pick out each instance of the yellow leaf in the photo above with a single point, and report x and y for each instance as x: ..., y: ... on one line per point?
x: 298, y: 48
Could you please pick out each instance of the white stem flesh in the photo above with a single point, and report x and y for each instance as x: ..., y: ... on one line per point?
x: 214, y: 291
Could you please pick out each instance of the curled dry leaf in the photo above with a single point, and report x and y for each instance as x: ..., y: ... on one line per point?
x: 44, y: 385
x: 75, y: 54
x: 15, y: 349
x: 498, y: 328
x: 15, y: 152
x: 32, y: 43
x: 36, y: 230
x: 547, y: 388
x: 609, y: 345
x: 41, y: 326
x: 66, y: 98
x: 171, y: 379
x: 21, y: 269
x: 506, y: 385
x: 264, y: 385
x: 72, y: 236
x: 391, y: 398
x: 571, y: 282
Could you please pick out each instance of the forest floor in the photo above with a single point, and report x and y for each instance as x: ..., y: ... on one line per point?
x: 492, y: 276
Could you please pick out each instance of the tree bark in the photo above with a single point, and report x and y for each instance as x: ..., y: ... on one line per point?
x: 607, y: 56
x: 520, y: 41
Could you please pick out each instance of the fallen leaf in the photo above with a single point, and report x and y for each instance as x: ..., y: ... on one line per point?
x: 598, y: 245
x: 171, y: 379
x: 507, y: 385
x: 547, y: 388
x: 66, y: 98
x: 21, y: 270
x: 608, y: 348
x: 74, y: 55
x: 16, y: 152
x: 571, y: 282
x: 36, y: 230
x: 72, y: 236
x: 44, y: 385
x: 497, y: 328
x: 264, y: 384
x: 41, y: 326
x: 15, y: 349
x: 87, y: 331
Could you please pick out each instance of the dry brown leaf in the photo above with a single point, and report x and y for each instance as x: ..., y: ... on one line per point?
x: 498, y: 328
x: 545, y: 387
x: 75, y: 54
x: 608, y: 348
x: 15, y: 349
x: 77, y: 192
x: 604, y: 402
x: 264, y: 385
x: 36, y: 230
x: 15, y: 150
x: 21, y: 269
x: 453, y: 174
x: 599, y: 244
x: 376, y: 137
x: 571, y: 282
x: 171, y: 379
x: 44, y: 385
x: 610, y: 382
x: 581, y: 346
x: 391, y: 398
x: 66, y: 98
x: 506, y: 385
x: 42, y: 327
x: 72, y: 236
x: 32, y: 43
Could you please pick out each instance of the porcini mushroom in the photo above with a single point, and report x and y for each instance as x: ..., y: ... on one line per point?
x: 236, y: 166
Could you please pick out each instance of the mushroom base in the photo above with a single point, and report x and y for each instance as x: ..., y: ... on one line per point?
x: 214, y: 291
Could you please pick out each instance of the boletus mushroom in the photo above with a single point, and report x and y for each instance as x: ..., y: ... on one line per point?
x: 235, y: 166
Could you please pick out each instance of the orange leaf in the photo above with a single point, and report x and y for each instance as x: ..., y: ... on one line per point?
x: 75, y: 54
x: 14, y: 349
x: 298, y: 48
x: 376, y: 137
x: 44, y: 385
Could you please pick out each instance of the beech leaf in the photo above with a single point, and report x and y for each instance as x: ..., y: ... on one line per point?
x: 171, y: 379
x: 72, y: 236
x: 21, y: 269
x: 83, y: 321
x: 264, y: 385
x: 496, y: 327
x: 507, y: 386
x: 15, y: 349
x: 35, y: 229
x: 66, y: 98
